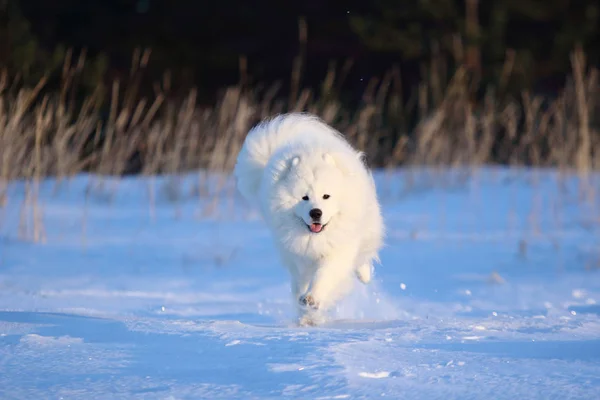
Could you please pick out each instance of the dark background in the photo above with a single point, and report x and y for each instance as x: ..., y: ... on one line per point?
x: 200, y: 42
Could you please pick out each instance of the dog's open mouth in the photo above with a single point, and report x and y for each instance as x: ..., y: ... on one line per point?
x: 316, y: 227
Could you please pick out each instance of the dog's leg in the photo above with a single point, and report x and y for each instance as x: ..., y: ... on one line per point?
x: 302, y: 278
x: 307, y: 308
x: 299, y: 278
x: 307, y: 300
x: 302, y: 286
x: 304, y: 299
x: 301, y: 275
x: 330, y: 282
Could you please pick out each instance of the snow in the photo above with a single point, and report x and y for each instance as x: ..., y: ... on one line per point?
x: 489, y: 288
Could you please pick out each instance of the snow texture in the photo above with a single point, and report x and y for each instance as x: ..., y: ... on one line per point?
x: 489, y: 288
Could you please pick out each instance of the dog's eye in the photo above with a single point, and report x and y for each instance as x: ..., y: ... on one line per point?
x: 305, y: 198
x: 326, y: 196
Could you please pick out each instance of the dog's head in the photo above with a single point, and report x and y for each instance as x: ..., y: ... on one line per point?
x: 313, y: 191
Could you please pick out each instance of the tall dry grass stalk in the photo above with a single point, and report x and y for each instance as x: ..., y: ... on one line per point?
x: 45, y: 133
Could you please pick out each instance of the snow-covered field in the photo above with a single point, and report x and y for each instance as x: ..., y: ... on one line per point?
x: 488, y: 289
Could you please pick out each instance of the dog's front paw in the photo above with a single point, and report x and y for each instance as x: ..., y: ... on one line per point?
x: 307, y: 320
x: 308, y: 300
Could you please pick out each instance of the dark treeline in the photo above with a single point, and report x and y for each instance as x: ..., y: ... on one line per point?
x: 201, y: 42
x: 490, y: 81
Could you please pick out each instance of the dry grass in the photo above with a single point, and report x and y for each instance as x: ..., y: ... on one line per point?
x: 50, y: 134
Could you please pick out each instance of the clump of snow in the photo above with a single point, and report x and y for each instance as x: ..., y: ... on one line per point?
x: 374, y: 375
x: 33, y: 339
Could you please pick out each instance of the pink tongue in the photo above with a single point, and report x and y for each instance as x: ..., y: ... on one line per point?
x: 316, y: 228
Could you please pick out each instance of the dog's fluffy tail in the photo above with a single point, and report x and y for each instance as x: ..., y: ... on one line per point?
x: 265, y: 139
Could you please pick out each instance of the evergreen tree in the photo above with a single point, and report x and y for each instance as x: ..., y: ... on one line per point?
x: 411, y: 28
x: 540, y: 33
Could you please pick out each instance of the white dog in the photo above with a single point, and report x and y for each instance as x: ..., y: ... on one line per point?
x: 319, y: 200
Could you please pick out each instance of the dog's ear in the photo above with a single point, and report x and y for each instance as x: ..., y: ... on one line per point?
x: 340, y: 161
x: 362, y: 157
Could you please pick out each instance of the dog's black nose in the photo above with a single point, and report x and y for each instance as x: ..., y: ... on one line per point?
x: 315, y: 213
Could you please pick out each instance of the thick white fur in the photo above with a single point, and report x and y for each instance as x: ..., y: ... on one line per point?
x: 291, y: 156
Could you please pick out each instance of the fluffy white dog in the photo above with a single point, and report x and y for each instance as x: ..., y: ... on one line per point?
x: 319, y: 200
